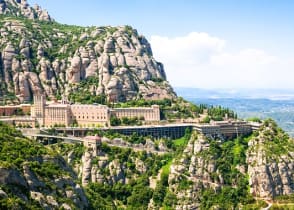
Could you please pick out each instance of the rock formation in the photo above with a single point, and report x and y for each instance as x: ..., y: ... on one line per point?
x: 38, y: 55
x: 270, y: 159
x: 210, y: 167
x: 195, y: 167
x: 21, y: 8
x: 52, y: 58
x: 206, y: 174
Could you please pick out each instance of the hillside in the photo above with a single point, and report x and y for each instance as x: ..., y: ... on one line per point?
x: 39, y: 55
x: 115, y: 64
x: 196, y: 173
x: 20, y: 8
x: 69, y: 176
x: 35, y: 177
x: 247, y: 172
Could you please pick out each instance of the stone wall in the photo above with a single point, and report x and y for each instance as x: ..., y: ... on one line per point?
x: 148, y: 113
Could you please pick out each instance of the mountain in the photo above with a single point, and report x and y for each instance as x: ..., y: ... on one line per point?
x: 35, y: 177
x: 232, y: 174
x: 271, y: 94
x: 70, y: 176
x: 193, y: 172
x: 20, y: 8
x: 39, y: 55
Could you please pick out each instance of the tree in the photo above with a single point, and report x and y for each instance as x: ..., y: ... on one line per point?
x: 114, y: 121
x: 170, y: 199
x: 206, y: 119
x: 140, y: 197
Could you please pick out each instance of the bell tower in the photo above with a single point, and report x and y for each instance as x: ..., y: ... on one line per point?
x: 39, y: 108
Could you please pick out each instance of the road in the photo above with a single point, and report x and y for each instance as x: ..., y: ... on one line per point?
x: 77, y: 139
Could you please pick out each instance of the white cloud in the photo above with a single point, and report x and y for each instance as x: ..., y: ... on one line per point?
x: 201, y: 60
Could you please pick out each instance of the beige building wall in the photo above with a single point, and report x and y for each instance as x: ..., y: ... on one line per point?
x: 149, y: 113
x: 57, y: 115
x: 90, y: 115
x: 12, y: 110
x: 92, y: 143
x: 85, y: 115
x: 25, y: 122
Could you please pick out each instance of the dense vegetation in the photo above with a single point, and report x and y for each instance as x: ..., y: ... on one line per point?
x: 17, y: 152
x: 15, y: 149
x: 81, y: 92
x: 173, y: 109
x: 277, y: 141
x: 136, y: 193
x: 114, y: 121
x: 227, y: 156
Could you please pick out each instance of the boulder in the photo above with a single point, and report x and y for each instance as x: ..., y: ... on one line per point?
x: 12, y: 177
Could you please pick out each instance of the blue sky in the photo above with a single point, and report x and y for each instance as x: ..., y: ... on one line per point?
x: 235, y: 43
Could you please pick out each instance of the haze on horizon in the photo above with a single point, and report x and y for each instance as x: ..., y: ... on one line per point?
x: 202, y: 44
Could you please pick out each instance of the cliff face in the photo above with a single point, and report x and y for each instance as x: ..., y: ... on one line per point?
x: 21, y: 8
x: 270, y: 160
x: 206, y: 174
x: 44, y: 56
x: 231, y: 174
x: 33, y: 176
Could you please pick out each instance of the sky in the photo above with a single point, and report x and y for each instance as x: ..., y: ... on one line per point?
x: 202, y: 43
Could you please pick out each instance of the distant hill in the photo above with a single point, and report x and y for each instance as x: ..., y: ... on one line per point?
x: 273, y: 94
x: 275, y: 104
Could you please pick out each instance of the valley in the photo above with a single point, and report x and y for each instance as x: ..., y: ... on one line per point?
x: 278, y: 105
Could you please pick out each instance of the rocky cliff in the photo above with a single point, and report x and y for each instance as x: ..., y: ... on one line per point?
x: 193, y: 171
x: 232, y: 174
x: 118, y: 174
x: 243, y: 173
x: 40, y: 55
x: 270, y: 160
x: 35, y: 177
x: 21, y: 8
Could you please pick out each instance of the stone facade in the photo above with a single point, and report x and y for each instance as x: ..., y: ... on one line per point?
x: 92, y: 143
x: 57, y: 114
x: 64, y: 114
x: 90, y: 115
x: 148, y: 113
x: 15, y: 110
x: 85, y: 115
x: 24, y: 122
x: 38, y: 110
x: 226, y: 129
